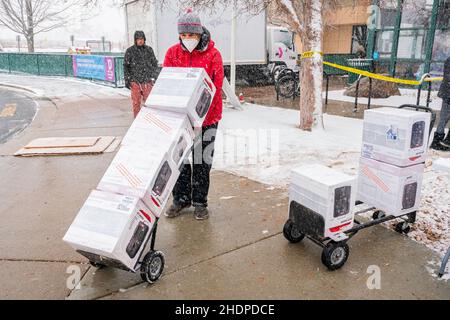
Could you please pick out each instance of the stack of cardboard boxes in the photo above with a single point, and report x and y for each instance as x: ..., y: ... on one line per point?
x: 395, y: 144
x: 117, y: 220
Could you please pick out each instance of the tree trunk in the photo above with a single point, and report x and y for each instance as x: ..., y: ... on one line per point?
x: 30, y: 43
x: 311, y: 102
x: 30, y: 26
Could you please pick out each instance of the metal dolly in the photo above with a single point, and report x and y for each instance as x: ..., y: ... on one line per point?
x: 336, y: 250
x: 151, y: 266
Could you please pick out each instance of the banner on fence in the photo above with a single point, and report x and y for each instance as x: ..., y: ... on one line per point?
x: 94, y: 67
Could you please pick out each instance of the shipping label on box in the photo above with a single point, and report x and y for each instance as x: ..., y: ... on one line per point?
x: 168, y: 131
x: 322, y: 200
x: 396, y: 136
x: 112, y: 228
x: 184, y: 90
x: 392, y: 189
x: 147, y: 174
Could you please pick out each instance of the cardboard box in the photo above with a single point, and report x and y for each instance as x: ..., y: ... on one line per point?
x: 166, y: 131
x: 112, y: 229
x: 148, y: 174
x: 392, y: 189
x: 395, y: 136
x: 184, y: 90
x: 322, y: 201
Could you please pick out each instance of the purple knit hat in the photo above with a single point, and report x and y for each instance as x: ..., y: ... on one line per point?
x: 190, y: 22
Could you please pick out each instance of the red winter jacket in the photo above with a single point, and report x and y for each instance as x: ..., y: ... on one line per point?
x: 206, y: 56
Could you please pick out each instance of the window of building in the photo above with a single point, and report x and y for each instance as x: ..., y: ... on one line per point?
x: 412, y: 44
x: 444, y: 14
x: 441, y: 49
x: 384, y: 41
x: 359, y: 40
x: 416, y: 13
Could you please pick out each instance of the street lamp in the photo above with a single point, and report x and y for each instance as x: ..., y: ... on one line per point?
x: 72, y: 39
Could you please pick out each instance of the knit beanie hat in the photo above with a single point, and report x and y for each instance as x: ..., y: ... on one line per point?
x: 190, y: 22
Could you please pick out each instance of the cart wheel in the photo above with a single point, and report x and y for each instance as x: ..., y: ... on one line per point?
x: 291, y: 232
x: 97, y: 265
x: 335, y: 255
x: 153, y: 267
x: 378, y: 215
x: 403, y: 228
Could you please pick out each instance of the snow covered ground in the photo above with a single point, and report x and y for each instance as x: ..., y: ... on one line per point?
x: 408, y: 96
x: 281, y: 146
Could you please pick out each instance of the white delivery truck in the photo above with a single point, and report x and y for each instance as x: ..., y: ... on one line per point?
x: 256, y: 44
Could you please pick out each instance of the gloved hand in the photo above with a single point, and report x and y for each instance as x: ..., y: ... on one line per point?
x: 128, y: 85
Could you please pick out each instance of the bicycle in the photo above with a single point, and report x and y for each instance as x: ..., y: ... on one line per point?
x: 287, y: 84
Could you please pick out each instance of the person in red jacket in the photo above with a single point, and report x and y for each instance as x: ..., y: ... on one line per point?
x: 197, y: 50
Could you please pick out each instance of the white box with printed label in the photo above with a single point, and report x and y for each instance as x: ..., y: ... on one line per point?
x: 112, y: 229
x: 396, y: 136
x: 392, y: 189
x: 322, y: 201
x: 166, y: 131
x: 184, y: 90
x: 148, y: 174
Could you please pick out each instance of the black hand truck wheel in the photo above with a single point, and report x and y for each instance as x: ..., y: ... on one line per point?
x: 286, y: 86
x: 153, y: 267
x: 97, y: 265
x: 291, y: 232
x: 335, y: 255
x: 403, y: 228
x: 378, y: 215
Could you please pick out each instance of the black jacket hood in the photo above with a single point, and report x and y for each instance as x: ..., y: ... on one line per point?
x: 139, y: 35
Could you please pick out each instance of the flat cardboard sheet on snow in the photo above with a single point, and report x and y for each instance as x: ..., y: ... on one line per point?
x: 99, y: 147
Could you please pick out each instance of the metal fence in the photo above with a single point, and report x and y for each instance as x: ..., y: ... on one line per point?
x: 341, y: 59
x: 46, y: 64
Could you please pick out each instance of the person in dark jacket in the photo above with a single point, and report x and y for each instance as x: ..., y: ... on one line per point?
x: 140, y: 69
x: 196, y: 49
x: 439, y: 143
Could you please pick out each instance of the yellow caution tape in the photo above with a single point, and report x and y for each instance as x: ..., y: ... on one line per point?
x: 368, y: 74
x: 310, y: 54
x: 434, y: 79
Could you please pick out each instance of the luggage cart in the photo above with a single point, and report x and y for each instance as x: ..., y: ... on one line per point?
x: 150, y: 266
x: 336, y: 250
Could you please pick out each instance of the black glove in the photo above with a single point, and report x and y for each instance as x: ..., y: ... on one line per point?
x: 128, y: 85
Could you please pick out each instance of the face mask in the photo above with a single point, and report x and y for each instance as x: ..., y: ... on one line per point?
x: 191, y: 44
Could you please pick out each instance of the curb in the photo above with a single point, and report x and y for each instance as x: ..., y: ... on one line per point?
x: 27, y: 89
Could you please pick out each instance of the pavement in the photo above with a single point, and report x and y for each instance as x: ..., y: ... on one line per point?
x: 17, y: 110
x: 240, y: 253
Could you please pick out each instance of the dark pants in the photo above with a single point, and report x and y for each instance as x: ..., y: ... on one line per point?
x: 445, y: 117
x: 193, y: 184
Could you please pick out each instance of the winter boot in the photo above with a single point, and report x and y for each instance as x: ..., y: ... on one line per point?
x: 201, y: 213
x: 436, y: 144
x: 176, y: 210
x: 446, y: 142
